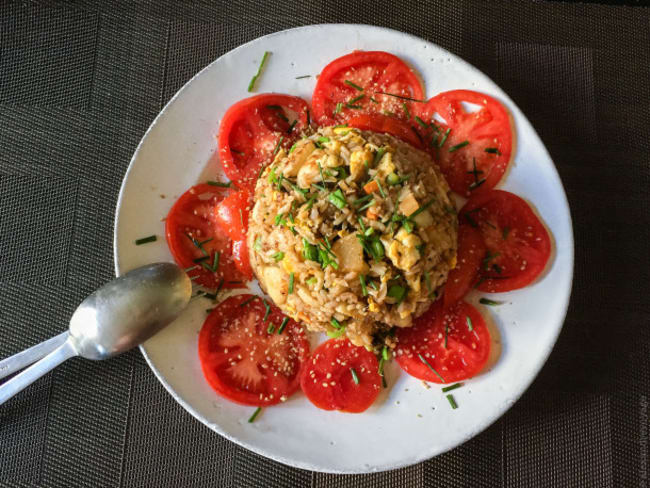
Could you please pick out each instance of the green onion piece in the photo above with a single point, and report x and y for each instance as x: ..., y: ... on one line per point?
x: 335, y: 323
x: 458, y: 146
x: 303, y: 76
x: 268, y: 310
x: 355, y: 99
x: 364, y: 290
x: 402, y: 97
x: 408, y: 225
x: 406, y: 110
x: 421, y: 122
x: 353, y: 85
x: 361, y: 200
x: 397, y: 292
x: 393, y: 179
x: 291, y: 278
x: 487, y: 301
x: 355, y: 378
x: 452, y: 402
x: 339, y: 107
x: 367, y: 205
x: 284, y: 323
x: 444, y: 138
x: 336, y: 334
x: 220, y: 183
x: 145, y: 240
x: 380, y: 154
x: 492, y: 150
x: 309, y: 251
x: 381, y: 190
x: 430, y: 367
x: 380, y: 371
x: 308, y: 118
x: 378, y: 249
x: 337, y: 199
x: 278, y: 219
x: 469, y: 323
x: 270, y: 329
x: 257, y: 245
x: 368, y: 232
x: 451, y: 387
x: 277, y: 147
x: 373, y: 285
x: 292, y: 148
x: 312, y: 280
x: 246, y: 302
x: 385, y: 354
x: 278, y: 256
x: 251, y: 85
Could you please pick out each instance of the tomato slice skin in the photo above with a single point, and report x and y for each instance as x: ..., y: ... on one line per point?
x: 231, y: 215
x: 252, y: 128
x: 373, y: 72
x: 518, y: 245
x: 328, y: 382
x: 193, y: 215
x: 245, y: 363
x: 471, y: 252
x: 466, y: 353
x: 488, y: 128
x: 387, y: 125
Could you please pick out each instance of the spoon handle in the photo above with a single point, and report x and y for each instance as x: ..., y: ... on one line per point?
x: 34, y: 372
x: 29, y: 356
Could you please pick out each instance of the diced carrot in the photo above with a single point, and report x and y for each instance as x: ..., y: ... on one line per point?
x: 370, y: 187
x: 371, y: 214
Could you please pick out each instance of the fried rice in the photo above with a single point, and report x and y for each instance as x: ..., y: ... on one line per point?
x: 352, y: 233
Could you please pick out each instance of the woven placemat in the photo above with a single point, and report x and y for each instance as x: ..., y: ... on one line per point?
x: 79, y: 84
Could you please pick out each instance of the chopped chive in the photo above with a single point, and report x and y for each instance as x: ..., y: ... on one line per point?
x: 293, y: 147
x: 444, y: 138
x: 430, y: 367
x: 446, y: 333
x: 145, y: 240
x: 336, y: 334
x: 210, y: 296
x: 323, y: 139
x: 268, y: 310
x: 381, y: 190
x: 492, y: 150
x: 451, y: 387
x: 353, y: 85
x: 191, y: 268
x: 469, y: 323
x: 476, y: 184
x: 380, y: 154
x: 355, y: 378
x: 361, y: 200
x: 372, y: 99
x: 257, y: 245
x: 421, y: 122
x: 208, y: 310
x: 364, y: 290
x: 308, y: 118
x: 408, y: 225
x: 452, y: 402
x: 246, y: 302
x: 303, y: 76
x: 239, y: 153
x: 380, y: 371
x: 385, y: 354
x: 373, y: 285
x: 339, y: 107
x: 251, y: 85
x: 458, y: 146
x: 284, y: 323
x: 255, y: 414
x: 291, y: 278
x: 367, y: 205
x: 406, y: 110
x: 470, y: 220
x: 422, y: 208
x: 277, y: 147
x: 227, y: 184
x: 290, y: 129
x: 278, y: 256
x: 354, y: 107
x: 401, y: 97
x: 201, y: 259
x: 219, y: 286
x: 506, y: 231
x: 487, y: 301
x: 388, y: 113
x: 355, y: 99
x: 320, y: 169
x: 335, y: 323
x: 192, y: 278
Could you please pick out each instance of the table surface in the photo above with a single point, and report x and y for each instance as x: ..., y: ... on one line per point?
x: 81, y: 82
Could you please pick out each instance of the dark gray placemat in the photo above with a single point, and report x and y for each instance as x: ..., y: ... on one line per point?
x: 79, y: 84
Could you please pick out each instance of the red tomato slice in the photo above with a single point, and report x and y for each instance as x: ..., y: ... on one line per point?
x: 231, y: 214
x: 487, y: 131
x: 466, y: 350
x: 192, y: 234
x: 365, y: 74
x: 244, y: 362
x: 386, y: 125
x: 471, y: 252
x: 251, y: 130
x: 518, y: 246
x: 328, y: 381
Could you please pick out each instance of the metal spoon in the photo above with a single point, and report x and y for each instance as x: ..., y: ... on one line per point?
x: 120, y: 315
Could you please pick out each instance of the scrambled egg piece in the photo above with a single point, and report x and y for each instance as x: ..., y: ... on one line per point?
x: 402, y: 250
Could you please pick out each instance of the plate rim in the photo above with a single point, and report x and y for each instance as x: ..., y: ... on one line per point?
x: 570, y: 249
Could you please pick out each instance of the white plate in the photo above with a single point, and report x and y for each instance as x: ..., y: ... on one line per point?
x: 408, y: 423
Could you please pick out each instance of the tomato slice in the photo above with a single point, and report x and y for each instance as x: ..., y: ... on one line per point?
x: 518, y: 245
x: 463, y: 277
x: 251, y: 130
x: 465, y: 353
x: 329, y: 382
x: 386, y: 125
x: 365, y: 74
x: 477, y: 149
x: 231, y: 214
x: 195, y: 240
x: 246, y: 363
